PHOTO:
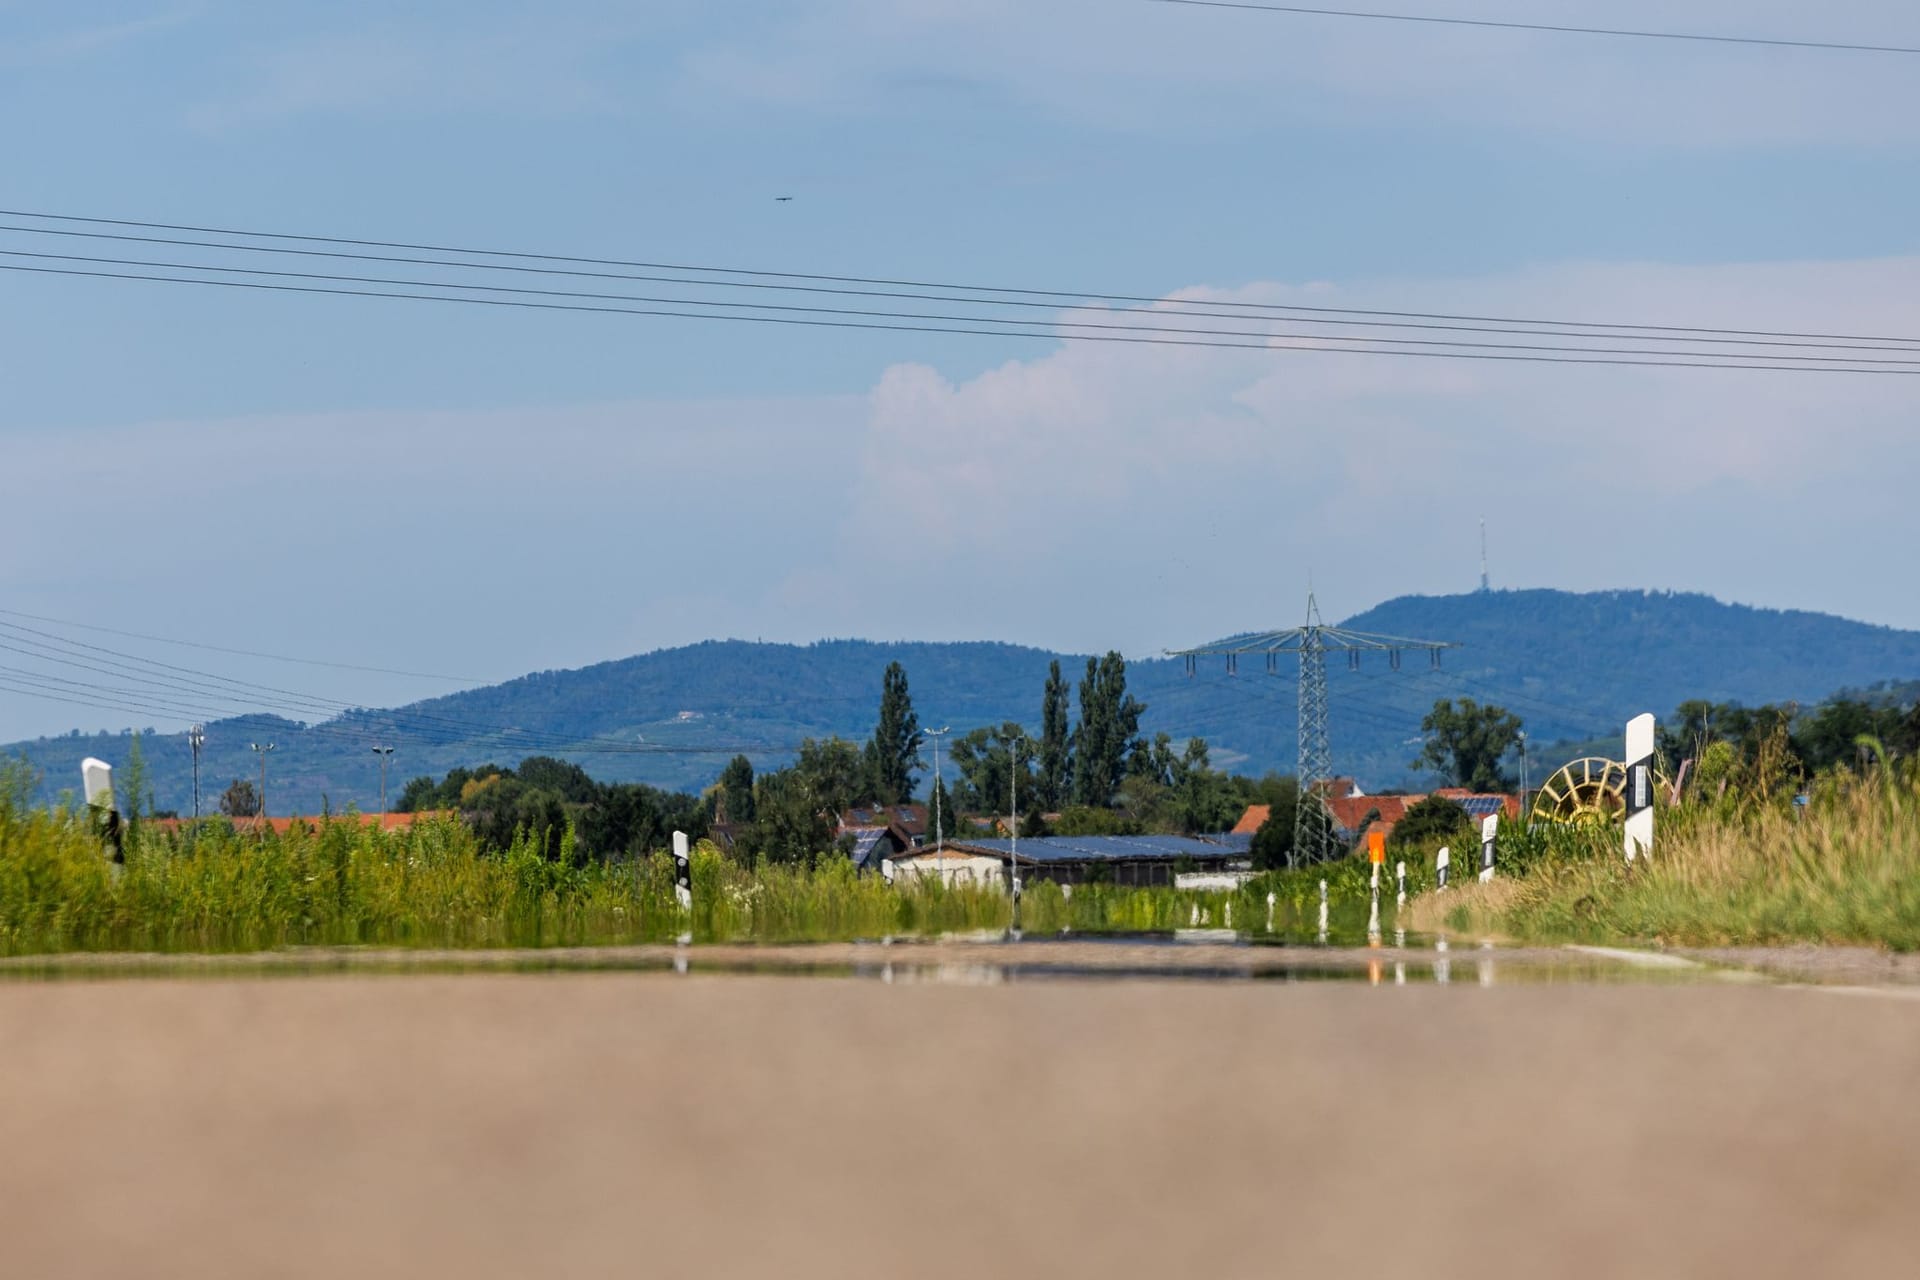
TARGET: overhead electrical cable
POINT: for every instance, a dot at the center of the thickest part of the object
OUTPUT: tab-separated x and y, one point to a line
212	690
241	653
1046	328
1452	21
998	290
1320	345
1102	303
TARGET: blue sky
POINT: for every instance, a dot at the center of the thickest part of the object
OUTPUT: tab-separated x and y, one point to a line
482	493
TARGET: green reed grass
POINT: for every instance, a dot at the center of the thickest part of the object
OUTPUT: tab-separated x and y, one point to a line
1843	869
212	888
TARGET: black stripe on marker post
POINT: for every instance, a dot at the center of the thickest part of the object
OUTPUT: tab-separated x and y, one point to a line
1639	786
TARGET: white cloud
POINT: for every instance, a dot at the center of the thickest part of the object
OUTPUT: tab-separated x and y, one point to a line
1103	491
1086	496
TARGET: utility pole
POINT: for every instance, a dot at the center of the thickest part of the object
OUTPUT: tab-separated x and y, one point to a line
939	837
1485	585
1312	823
385	754
196	736
262	752
1013	829
1523	774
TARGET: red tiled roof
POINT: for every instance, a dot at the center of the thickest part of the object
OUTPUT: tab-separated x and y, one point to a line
1252	820
280	826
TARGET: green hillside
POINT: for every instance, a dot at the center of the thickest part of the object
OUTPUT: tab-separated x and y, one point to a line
1573	666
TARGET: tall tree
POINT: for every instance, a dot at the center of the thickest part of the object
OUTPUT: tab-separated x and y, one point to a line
896	741
1273	842
1056	752
240	800
736	790
790	825
833	773
1109	723
1466	743
986	762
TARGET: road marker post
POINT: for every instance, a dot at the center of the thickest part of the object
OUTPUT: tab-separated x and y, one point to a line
1270	901
1440	862
1489	832
97	775
1639	833
1376	858
683	892
1400	875
1323	913
682	872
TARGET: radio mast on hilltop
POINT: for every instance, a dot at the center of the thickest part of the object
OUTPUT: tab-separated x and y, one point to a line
1483	555
1312	827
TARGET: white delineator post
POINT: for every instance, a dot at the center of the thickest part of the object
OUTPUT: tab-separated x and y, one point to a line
1639	838
1440	864
1489	833
1400	875
1271	899
1323	911
1373	909
682	872
97	776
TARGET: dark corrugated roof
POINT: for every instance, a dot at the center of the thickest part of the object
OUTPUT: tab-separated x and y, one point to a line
1119	848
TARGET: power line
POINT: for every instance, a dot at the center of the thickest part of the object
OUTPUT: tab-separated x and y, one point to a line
1435	19
1285	309
243	653
1317	345
214	689
1048	326
1103	303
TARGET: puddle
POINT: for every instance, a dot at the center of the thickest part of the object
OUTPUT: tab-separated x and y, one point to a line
975	960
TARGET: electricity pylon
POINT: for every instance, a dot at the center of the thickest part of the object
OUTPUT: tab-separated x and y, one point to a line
1312	827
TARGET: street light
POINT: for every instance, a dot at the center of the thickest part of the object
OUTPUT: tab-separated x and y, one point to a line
939	837
262	752
1013	827
385	753
196	736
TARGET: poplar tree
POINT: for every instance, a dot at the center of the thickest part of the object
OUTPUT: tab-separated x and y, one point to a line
1056	753
1109	724
896	741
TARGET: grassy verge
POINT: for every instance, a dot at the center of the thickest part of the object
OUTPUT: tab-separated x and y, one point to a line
215	889
1843	869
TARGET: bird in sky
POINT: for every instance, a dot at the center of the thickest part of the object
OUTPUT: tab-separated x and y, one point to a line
782	199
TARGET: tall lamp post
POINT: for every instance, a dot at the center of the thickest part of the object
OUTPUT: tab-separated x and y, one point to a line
939	785
262	752
1013	825
385	754
196	738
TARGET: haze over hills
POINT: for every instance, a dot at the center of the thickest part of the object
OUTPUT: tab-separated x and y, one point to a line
1574	666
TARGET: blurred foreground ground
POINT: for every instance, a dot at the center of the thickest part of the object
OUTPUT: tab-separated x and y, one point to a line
756	1126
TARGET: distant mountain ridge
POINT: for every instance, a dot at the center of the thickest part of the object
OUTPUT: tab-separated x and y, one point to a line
1572	665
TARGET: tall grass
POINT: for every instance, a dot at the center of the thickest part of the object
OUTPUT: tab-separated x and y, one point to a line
212	888
1843	869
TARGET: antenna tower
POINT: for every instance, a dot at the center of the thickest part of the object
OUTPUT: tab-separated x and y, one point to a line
1483	555
1312	826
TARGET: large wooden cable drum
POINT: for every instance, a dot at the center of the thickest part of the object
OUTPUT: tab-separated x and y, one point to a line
1591	789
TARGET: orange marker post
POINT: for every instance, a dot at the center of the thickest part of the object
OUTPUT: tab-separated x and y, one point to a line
1377	855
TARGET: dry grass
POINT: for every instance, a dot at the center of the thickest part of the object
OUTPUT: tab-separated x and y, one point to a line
1843	869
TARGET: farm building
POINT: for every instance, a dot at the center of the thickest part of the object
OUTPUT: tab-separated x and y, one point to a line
1122	860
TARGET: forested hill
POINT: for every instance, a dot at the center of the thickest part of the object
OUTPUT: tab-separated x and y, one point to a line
1572	666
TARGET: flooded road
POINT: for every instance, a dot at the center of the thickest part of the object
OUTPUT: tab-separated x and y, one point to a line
635	1120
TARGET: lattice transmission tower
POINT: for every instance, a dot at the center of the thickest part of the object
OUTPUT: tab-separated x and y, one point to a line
1312	825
